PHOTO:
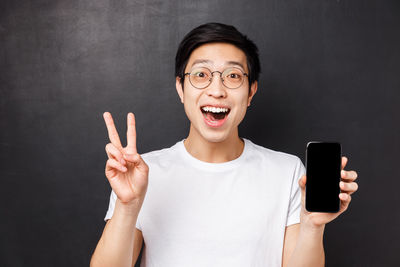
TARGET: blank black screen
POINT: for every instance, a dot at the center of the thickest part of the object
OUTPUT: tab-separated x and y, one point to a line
323	164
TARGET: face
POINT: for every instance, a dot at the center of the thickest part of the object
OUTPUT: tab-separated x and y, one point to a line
200	104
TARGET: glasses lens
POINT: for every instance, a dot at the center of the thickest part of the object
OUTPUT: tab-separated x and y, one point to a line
233	77
200	77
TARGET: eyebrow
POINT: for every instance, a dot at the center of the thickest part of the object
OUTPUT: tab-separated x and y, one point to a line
200	61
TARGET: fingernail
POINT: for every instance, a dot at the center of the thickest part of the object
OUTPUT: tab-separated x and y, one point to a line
343	173
124	169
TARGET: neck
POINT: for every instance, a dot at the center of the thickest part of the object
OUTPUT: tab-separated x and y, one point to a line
214	152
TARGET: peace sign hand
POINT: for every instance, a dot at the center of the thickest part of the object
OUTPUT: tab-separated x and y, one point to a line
126	171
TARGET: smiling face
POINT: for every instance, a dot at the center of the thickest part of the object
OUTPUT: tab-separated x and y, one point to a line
202	105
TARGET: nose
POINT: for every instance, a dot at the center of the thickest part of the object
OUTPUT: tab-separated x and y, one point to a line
216	87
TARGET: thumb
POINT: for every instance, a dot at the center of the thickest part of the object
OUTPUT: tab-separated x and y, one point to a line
133	158
302	182
137	160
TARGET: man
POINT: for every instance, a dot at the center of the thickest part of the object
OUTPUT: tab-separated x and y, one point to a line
212	199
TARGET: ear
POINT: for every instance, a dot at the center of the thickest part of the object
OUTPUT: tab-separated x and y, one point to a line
253	91
179	89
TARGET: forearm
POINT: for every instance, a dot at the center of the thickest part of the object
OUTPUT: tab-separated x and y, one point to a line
309	250
115	247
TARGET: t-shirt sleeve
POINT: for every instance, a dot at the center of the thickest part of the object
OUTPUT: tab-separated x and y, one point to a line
110	211
295	195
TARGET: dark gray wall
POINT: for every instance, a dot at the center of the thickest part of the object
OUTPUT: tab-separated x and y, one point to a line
330	71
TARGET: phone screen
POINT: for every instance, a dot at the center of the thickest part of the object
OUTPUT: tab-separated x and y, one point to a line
323	165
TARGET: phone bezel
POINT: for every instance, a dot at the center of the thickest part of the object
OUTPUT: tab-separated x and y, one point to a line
309	209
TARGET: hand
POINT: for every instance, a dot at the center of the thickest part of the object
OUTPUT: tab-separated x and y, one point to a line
347	186
126	171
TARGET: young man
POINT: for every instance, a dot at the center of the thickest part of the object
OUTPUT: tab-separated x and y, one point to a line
214	198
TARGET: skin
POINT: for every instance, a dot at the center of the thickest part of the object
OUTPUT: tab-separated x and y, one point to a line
127	172
303	243
203	142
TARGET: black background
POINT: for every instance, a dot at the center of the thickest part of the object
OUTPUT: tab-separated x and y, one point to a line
330	71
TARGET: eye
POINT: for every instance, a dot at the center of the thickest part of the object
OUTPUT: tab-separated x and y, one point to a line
199	74
233	74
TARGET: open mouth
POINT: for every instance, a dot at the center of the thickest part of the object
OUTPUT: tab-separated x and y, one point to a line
214	114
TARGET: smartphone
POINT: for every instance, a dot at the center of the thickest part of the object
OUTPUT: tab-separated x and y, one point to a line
323	166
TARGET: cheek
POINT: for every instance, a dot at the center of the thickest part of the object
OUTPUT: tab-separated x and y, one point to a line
241	108
242	112
190	104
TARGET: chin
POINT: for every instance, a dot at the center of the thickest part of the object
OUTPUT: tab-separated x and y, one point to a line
214	137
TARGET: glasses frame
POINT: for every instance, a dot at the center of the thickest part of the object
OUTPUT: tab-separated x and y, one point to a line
212	75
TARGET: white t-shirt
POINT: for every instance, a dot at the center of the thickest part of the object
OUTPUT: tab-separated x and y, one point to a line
233	213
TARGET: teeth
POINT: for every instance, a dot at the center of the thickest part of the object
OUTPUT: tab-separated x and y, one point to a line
214	109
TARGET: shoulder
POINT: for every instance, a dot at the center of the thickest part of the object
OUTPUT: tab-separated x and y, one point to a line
273	156
161	156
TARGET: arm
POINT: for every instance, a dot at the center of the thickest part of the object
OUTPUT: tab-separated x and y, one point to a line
120	242
303	243
127	174
303	246
137	245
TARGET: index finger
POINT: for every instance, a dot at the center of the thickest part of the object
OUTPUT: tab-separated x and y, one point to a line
344	162
112	131
131	134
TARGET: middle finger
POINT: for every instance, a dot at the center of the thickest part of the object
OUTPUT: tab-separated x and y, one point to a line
131	134
348	175
349	188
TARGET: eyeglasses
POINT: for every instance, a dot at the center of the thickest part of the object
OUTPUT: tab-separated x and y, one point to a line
202	77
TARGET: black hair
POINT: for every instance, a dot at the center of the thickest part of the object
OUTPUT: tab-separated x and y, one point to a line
217	32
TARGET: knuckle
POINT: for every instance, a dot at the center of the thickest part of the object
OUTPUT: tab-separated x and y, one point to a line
344	185
349	186
113	150
111	163
109	147
136	157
